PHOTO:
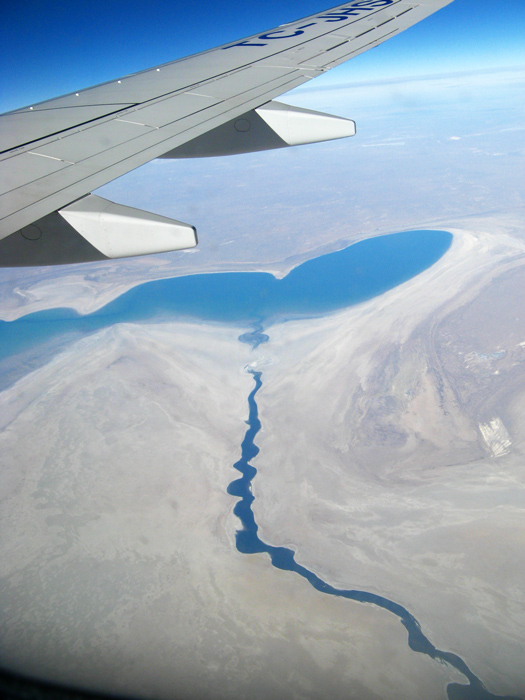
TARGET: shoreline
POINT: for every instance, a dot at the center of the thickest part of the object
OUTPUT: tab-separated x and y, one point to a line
184	384
278	271
401	446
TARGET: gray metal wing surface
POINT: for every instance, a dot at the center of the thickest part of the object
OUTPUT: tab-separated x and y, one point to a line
57	152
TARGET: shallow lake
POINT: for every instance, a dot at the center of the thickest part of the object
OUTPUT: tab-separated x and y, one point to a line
318	286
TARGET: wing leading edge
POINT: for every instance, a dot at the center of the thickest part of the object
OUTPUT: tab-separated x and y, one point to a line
57	152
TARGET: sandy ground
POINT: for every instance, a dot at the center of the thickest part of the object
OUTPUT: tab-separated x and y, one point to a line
381	464
375	434
119	568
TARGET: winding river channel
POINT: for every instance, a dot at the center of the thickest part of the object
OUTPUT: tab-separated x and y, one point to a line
257	300
249	542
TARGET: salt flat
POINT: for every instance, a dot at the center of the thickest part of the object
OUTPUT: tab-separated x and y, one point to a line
371	429
118	534
119	567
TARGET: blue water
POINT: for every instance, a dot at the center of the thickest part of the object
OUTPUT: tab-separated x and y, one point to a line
249	542
316	287
257	300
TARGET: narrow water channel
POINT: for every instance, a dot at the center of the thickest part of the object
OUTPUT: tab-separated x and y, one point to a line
249	542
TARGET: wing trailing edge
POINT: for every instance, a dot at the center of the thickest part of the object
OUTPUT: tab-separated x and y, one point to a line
93	228
54	154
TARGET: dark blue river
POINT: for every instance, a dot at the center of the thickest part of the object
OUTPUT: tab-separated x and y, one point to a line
249	542
257	300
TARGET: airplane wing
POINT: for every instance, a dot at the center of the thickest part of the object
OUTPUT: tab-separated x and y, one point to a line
55	153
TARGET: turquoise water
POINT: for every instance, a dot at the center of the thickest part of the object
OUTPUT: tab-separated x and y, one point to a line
316	287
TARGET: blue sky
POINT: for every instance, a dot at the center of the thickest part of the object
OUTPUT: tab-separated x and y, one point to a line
50	48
